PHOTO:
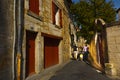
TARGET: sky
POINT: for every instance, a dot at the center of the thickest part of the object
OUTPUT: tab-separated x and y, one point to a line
116	3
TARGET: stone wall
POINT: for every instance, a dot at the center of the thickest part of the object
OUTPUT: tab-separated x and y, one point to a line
113	42
6	39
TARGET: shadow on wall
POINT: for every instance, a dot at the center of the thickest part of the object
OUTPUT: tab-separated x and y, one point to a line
93	59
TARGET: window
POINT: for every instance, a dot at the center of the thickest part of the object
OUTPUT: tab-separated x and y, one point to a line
56	15
34	6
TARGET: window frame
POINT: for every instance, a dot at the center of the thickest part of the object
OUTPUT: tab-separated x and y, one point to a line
55	10
33	14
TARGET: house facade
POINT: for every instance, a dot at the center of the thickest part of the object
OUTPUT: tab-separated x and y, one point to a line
34	37
46	40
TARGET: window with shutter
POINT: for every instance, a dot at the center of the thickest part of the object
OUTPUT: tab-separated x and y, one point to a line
34	6
56	15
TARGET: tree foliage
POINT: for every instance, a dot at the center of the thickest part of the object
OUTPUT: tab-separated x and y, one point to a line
86	11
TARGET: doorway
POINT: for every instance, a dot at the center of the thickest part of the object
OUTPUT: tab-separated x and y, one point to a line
51	56
30	52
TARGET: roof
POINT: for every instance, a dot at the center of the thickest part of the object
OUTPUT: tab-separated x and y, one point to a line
118	10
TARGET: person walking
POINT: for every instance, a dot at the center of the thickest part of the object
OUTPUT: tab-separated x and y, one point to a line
79	53
85	53
74	52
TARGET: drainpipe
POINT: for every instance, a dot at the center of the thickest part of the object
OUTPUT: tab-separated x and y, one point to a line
19	18
14	42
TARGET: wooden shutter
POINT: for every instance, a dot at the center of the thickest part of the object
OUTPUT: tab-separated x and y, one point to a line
60	18
34	6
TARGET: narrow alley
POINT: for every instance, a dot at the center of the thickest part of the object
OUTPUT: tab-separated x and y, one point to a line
38	38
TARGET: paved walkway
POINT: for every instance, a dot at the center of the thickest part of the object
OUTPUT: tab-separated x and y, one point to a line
77	70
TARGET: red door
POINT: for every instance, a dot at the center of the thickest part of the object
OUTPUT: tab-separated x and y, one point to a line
30	52
50	52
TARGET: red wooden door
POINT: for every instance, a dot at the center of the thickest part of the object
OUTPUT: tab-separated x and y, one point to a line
30	53
50	52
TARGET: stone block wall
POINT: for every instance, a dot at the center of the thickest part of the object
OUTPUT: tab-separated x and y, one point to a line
6	39
113	42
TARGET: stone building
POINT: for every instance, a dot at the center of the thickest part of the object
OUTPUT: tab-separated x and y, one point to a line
46	41
118	14
35	37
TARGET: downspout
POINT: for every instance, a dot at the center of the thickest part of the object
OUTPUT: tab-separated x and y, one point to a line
19	17
14	43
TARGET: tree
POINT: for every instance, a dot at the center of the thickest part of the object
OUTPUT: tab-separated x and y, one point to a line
86	11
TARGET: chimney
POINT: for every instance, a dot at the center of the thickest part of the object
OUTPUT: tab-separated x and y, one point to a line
118	13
